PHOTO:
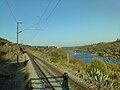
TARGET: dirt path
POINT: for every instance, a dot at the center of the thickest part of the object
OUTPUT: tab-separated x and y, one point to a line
12	76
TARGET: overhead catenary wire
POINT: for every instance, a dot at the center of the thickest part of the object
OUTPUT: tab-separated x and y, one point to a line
51	12
44	14
30	28
11	11
40	17
48	17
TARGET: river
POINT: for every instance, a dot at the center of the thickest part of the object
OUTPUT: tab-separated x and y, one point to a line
87	57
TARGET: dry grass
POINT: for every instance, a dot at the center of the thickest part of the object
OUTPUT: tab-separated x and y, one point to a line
12	75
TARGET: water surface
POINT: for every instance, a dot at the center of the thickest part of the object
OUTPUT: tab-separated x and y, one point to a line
87	57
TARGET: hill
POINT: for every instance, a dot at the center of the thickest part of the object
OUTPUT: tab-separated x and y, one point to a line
12	76
4	41
111	49
97	74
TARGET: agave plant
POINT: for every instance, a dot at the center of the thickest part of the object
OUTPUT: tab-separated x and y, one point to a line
98	75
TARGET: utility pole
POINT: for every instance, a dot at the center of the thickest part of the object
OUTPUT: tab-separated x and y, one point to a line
18	41
22	42
68	57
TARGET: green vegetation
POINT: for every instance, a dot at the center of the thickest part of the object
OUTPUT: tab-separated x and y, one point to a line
58	56
12	76
111	49
97	74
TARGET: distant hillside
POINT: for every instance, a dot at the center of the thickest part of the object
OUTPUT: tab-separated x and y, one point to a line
7	50
111	49
4	41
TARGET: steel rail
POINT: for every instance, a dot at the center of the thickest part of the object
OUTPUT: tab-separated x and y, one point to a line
80	87
42	72
70	80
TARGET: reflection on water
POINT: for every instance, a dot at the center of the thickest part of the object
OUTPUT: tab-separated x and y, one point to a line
87	57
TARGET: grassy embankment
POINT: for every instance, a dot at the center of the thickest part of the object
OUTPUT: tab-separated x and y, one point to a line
12	76
97	74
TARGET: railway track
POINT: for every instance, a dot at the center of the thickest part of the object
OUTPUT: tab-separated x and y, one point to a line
52	77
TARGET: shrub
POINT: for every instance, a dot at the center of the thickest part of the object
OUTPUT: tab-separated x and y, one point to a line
98	72
99	64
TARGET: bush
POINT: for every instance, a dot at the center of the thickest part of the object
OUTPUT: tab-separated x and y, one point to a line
97	72
99	64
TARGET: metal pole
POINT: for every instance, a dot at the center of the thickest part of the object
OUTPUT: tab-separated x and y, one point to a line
68	57
65	82
18	41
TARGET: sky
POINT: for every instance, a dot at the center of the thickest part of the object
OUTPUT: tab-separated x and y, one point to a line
60	22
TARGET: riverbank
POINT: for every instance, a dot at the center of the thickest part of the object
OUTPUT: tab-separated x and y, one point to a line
87	57
109	72
107	49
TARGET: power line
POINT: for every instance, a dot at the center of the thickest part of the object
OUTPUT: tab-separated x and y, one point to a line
11	11
29	29
48	16
39	20
41	15
44	14
51	12
44	11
